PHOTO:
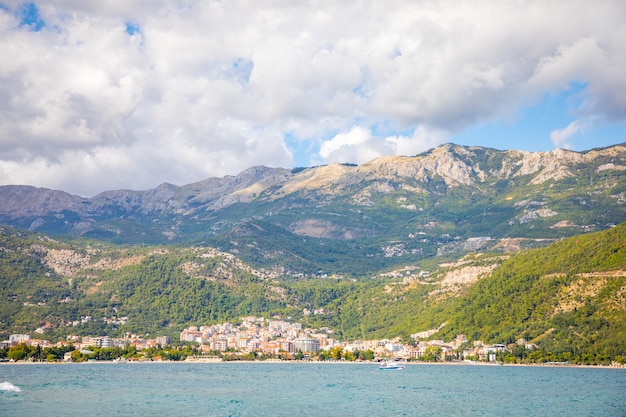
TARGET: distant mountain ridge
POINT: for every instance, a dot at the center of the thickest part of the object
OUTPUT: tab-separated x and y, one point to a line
453	190
452	163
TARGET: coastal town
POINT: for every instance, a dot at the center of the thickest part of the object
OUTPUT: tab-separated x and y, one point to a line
284	340
258	338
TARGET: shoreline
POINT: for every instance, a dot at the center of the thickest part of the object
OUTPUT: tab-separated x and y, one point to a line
534	365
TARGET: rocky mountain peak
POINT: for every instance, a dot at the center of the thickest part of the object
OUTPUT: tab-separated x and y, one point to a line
24	200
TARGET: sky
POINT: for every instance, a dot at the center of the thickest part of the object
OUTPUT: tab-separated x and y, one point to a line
117	94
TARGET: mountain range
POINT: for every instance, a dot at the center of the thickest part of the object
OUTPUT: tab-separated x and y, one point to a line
352	219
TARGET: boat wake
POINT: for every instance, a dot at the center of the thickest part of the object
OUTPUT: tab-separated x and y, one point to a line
8	387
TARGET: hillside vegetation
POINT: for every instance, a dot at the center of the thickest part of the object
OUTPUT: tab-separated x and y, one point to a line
568	298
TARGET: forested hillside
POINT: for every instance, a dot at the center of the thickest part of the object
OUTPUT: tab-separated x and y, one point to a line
93	288
568	298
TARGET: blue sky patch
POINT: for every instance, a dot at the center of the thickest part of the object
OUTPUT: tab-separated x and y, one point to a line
132	28
534	124
29	16
242	69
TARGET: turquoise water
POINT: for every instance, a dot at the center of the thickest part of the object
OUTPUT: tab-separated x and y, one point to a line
262	389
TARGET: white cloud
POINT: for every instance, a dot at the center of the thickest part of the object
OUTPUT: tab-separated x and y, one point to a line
422	140
359	145
210	88
561	137
356	146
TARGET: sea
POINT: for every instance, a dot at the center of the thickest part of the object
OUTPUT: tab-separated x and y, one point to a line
308	389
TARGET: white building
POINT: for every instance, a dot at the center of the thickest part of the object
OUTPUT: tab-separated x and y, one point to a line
306	345
16	339
162	340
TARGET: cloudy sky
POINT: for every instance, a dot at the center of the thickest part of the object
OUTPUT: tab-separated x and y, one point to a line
108	94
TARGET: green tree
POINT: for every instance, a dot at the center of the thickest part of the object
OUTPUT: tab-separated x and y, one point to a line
336	353
432	354
77	356
509	359
366	355
16	353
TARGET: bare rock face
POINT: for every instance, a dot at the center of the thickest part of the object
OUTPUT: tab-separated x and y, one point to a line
446	164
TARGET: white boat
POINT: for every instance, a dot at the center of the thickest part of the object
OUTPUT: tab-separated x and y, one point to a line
391	366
